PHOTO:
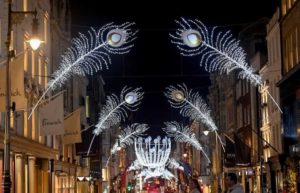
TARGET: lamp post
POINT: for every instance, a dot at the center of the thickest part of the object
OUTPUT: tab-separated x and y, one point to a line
13	17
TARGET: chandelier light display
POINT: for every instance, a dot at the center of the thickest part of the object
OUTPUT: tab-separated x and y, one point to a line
219	51
148	173
91	53
152	154
153	157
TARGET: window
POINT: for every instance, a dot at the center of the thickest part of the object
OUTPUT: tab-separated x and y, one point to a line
286	61
283	6
289	4
46	23
11	46
64	183
264	108
290	51
25	5
25	124
33	125
40	69
46	71
295	47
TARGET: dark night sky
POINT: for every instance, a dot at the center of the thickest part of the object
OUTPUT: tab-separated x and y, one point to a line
154	62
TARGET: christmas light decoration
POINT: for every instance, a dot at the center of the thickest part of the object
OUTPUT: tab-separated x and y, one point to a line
219	51
115	109
152	154
135	166
183	135
152	158
191	105
157	172
128	135
173	164
147	172
90	54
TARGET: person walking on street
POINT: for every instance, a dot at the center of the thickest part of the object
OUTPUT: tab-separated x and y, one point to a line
232	184
194	186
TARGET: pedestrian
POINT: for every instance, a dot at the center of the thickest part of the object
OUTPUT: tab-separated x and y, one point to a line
194	186
232	184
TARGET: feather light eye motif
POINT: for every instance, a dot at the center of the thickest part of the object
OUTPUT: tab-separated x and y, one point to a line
91	53
219	51
115	109
191	105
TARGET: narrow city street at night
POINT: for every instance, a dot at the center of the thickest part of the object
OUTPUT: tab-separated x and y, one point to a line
150	96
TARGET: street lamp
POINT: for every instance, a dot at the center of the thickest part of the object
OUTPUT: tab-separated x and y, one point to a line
13	17
35	41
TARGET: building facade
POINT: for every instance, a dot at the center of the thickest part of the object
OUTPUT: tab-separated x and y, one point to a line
234	104
289	92
270	114
40	163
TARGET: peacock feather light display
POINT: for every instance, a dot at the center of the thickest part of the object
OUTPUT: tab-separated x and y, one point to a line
116	109
128	135
183	135
218	51
91	53
191	105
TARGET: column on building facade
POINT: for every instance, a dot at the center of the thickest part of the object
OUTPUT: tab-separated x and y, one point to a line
31	174
19	173
243	179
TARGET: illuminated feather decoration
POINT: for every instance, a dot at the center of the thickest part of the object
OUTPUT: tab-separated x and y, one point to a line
135	166
128	135
219	51
90	54
173	164
183	135
115	109
191	105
